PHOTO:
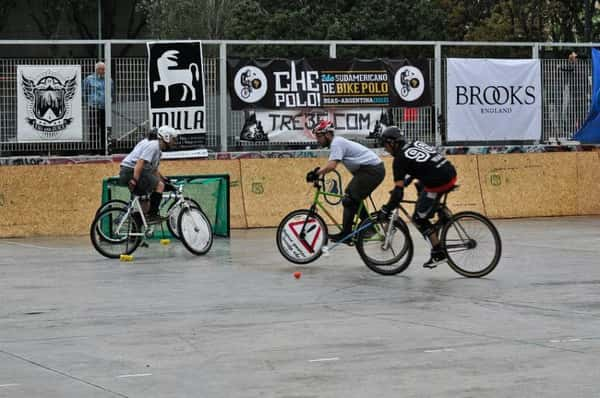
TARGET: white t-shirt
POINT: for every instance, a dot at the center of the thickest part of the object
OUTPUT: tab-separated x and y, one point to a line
146	149
352	154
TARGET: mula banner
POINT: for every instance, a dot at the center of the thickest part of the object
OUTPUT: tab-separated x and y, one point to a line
327	83
494	99
176	86
49	103
296	125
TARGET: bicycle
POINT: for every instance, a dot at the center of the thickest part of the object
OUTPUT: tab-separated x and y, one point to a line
460	235
302	235
169	201
117	230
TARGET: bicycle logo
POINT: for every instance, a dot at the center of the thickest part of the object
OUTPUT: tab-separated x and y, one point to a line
250	84
409	83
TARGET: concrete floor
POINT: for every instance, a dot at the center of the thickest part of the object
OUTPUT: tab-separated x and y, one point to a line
235	323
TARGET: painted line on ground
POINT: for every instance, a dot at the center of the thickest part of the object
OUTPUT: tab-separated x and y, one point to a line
324	359
564	340
9	385
135	375
440	350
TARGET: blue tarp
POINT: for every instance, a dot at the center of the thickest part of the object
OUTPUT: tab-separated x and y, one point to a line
590	131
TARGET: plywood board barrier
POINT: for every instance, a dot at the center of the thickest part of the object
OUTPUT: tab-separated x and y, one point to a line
50	200
588	183
529	185
231	167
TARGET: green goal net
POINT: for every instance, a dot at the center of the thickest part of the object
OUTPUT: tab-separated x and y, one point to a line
210	191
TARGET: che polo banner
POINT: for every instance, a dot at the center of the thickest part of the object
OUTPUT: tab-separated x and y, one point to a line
176	86
493	99
296	125
327	83
49	103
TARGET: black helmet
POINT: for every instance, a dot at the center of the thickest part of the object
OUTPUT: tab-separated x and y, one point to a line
392	135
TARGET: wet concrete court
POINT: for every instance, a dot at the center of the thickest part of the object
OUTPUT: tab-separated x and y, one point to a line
235	323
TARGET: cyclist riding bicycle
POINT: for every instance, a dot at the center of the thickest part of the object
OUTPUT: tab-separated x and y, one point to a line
436	176
366	167
139	169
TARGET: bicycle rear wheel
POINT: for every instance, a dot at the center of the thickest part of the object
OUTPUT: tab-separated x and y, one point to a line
301	236
173	215
111	232
384	248
472	244
195	230
117	203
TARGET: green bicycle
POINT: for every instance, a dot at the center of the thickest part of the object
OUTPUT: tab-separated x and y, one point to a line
302	235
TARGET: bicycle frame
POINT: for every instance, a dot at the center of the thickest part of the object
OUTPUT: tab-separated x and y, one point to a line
318	204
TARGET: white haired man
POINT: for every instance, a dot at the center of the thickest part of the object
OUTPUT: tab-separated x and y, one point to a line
94	91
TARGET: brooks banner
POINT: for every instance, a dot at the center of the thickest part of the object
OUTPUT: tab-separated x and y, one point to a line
493	99
176	86
49	103
590	131
327	83
297	125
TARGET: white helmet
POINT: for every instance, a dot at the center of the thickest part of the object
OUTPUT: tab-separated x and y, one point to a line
166	133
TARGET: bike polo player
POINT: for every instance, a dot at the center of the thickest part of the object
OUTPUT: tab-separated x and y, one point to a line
139	169
436	175
366	167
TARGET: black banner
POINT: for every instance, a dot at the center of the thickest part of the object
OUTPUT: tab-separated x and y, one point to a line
327	83
176	86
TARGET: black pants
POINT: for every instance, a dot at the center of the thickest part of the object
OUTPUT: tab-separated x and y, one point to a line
98	127
364	181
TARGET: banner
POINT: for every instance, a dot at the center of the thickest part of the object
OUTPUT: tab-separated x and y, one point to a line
590	131
296	125
327	83
176	86
493	99
49	103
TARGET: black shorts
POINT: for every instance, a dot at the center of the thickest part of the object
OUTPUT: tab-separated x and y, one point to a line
145	185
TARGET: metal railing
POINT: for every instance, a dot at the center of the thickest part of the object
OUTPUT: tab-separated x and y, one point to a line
566	95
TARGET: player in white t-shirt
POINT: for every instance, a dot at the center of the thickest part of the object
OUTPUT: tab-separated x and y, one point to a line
366	167
139	169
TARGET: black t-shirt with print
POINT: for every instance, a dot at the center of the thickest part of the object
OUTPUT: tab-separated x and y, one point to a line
420	161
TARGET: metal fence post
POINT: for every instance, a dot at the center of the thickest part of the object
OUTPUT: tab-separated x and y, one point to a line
332	50
223	95
108	96
437	95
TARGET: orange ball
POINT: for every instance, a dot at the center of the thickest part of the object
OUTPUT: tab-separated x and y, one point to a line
297	274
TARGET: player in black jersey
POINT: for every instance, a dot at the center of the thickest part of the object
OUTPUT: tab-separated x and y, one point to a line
436	175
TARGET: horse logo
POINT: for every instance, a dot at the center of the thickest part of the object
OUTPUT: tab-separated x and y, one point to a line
170	76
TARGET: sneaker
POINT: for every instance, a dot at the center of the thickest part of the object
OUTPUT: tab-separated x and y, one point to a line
437	257
339	236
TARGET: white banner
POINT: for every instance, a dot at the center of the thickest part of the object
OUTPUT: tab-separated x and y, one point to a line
296	125
493	99
49	103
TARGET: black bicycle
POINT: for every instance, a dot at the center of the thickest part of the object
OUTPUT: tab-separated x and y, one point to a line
470	240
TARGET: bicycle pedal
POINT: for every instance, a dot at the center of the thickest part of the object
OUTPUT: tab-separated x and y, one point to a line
144	244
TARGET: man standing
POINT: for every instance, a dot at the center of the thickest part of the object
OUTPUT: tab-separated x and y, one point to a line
94	90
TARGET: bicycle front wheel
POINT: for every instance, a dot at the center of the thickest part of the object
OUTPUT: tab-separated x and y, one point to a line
384	248
472	244
301	236
173	215
114	231
195	230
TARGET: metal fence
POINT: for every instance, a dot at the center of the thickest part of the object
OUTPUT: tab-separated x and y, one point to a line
566	97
